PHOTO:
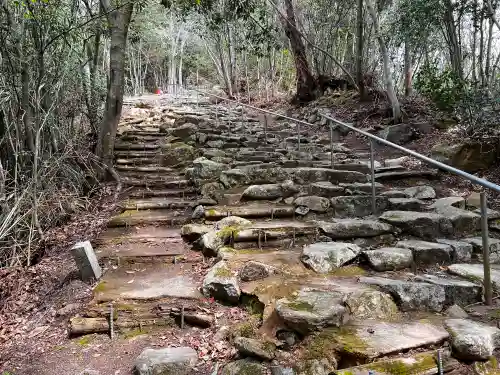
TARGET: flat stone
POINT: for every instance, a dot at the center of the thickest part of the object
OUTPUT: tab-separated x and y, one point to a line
406	204
372	339
254	348
211	242
221	284
235	222
462	250
361	187
354	228
270	191
428	253
472	340
421	224
369	243
411	295
474	272
325	189
458	292
357	205
311	310
314	203
396	162
86	261
491	214
305	176
389	258
167	361
394	194
421	192
457	202
456	311
252	271
324	257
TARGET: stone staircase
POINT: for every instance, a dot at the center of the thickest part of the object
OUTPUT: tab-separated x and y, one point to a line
337	288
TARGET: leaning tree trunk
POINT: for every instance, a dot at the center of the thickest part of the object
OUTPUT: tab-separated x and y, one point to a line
119	20
389	86
306	84
359	49
408	70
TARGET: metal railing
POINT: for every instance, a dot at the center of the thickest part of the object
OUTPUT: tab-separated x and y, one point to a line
373	139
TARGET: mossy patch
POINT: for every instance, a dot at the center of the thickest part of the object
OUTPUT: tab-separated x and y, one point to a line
247	329
348	271
300	306
135	332
84	340
211	213
101	287
223	272
228	231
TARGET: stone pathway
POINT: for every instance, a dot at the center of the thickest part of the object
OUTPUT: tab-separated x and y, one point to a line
334	286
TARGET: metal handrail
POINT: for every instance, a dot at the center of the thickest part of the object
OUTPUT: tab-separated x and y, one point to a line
373	138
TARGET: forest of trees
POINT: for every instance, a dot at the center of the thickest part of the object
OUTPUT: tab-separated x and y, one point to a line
66	64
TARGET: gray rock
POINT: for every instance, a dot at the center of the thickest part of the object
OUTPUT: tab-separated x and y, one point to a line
211	242
463	221
205	169
458	202
458	292
456	311
254	348
252	271
411	295
316	367
184	131
232	221
394	194
370	304
477	246
167	361
325	189
302	210
244	367
462	251
212	190
420	192
399	134
178	154
314	203
353	228
312	309
357	205
323	257
468	156
360	188
428	253
472	340
369	243
474	272
198	212
192	232
396	162
270	191
86	261
421	224
305	176
406	204
221	284
389	258
280	370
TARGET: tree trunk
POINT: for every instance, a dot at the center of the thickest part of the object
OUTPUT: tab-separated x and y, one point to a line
119	20
408	70
359	52
391	93
453	43
306	85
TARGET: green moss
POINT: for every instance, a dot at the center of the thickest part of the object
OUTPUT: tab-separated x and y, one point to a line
134	333
247	329
489	367
333	340
100	288
223	272
211	213
178	145
84	340
348	271
300	306
228	231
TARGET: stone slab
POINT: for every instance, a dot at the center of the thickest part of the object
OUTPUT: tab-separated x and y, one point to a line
86	261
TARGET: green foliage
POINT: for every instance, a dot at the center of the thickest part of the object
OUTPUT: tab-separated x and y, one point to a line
443	88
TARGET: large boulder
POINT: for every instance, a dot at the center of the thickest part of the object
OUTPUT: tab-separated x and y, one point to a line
371	304
178	154
254	348
472	340
428	253
468	156
192	232
314	203
399	134
221	284
167	361
389	258
312	309
244	367
357	205
324	257
457	291
426	225
205	169
305	175
183	131
270	191
411	295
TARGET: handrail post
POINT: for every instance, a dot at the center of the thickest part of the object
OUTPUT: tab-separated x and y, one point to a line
298	136
372	169
331	144
265	128
486	251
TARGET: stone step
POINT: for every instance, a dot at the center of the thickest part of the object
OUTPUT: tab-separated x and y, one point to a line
153	217
150	176
163	183
250	211
399	175
121	146
152	137
142	133
153	161
163	193
146	169
156	203
275	229
124	154
475	273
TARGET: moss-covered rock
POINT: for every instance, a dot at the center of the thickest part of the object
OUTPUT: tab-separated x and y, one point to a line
178	154
244	367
